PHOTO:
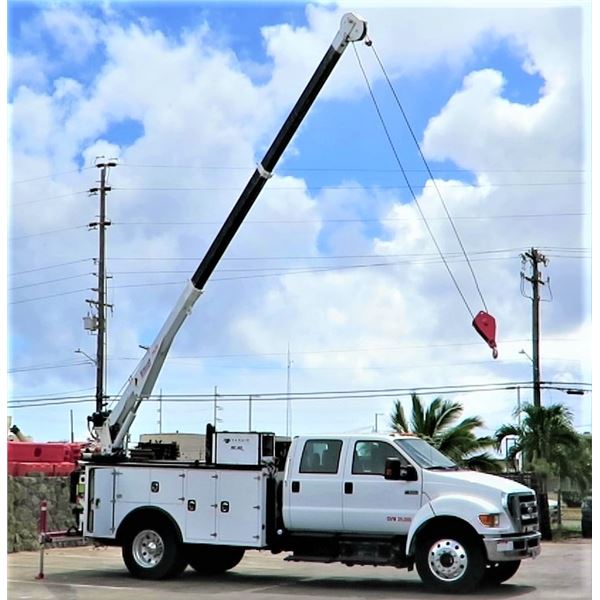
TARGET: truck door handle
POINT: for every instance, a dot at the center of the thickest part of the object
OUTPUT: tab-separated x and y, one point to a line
295	487
348	487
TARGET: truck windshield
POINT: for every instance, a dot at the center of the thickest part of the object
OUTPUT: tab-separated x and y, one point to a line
424	454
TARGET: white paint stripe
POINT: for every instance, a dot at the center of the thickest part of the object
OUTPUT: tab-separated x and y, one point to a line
74	585
57	557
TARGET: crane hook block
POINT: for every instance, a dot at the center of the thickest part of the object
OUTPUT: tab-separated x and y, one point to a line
485	326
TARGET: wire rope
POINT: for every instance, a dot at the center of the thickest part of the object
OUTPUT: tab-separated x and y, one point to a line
410	187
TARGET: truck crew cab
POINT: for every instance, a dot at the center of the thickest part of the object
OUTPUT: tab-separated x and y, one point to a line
360	500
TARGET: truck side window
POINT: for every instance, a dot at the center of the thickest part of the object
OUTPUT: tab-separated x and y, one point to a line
320	456
369	457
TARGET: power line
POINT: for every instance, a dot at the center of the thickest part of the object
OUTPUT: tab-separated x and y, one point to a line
313	257
52	396
50	176
48	281
45	198
360	169
52	231
313	352
367	394
350	187
377	220
49	296
303	222
276	272
46	366
64	264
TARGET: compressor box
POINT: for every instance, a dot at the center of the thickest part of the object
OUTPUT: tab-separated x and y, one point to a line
243	448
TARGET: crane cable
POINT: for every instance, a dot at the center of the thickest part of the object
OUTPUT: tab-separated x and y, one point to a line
433	180
409	185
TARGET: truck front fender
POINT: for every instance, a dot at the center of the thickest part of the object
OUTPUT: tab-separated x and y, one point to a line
454	507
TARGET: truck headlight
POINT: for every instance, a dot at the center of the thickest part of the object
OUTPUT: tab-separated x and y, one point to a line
490	520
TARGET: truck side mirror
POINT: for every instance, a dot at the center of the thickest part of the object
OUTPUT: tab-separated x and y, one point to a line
394	471
408	473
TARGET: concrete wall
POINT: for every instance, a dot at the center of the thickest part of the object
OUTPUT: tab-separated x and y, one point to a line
23	507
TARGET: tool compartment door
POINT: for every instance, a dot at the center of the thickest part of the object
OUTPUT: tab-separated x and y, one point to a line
200	506
99	518
241	508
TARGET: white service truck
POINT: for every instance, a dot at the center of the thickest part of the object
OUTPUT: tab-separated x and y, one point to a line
360	500
357	499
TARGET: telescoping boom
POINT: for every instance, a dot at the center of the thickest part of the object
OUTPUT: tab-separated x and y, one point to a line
111	427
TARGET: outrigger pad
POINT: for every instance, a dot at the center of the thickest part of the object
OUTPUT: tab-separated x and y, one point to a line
485	326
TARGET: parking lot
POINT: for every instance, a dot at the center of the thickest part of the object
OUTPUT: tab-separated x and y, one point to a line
563	572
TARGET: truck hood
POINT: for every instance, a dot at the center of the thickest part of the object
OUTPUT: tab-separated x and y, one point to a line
445	482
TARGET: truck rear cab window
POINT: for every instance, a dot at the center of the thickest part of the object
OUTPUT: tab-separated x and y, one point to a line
321	456
369	457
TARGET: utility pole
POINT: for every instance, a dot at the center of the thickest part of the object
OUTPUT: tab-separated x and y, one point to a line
534	258
216	407
288	411
250	413
160	412
100	302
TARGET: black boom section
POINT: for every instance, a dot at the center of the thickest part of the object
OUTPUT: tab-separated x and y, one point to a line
258	180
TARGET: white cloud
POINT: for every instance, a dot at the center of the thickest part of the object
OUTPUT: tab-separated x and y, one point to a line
27	68
373	326
72	29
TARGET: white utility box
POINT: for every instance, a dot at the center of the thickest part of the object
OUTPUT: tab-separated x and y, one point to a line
243	448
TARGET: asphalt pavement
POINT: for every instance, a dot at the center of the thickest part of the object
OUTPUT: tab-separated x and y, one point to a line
562	572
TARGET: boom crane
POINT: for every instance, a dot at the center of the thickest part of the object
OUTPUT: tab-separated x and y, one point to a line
110	428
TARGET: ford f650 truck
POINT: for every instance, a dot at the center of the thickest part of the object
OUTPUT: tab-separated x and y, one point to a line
360	500
357	499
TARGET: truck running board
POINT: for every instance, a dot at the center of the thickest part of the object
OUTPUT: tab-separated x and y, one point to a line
310	558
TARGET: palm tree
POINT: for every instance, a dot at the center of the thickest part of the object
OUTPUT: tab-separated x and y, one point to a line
547	439
545	436
437	425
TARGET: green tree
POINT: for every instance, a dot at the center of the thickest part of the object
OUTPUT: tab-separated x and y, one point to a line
548	442
437	424
545	437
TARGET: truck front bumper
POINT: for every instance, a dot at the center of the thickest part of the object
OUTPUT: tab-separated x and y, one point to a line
513	547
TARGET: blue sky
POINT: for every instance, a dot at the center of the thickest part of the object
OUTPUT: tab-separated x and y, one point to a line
188	96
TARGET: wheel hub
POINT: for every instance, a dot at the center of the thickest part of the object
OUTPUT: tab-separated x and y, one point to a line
448	560
148	548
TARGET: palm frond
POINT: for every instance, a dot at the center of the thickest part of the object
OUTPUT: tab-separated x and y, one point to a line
398	420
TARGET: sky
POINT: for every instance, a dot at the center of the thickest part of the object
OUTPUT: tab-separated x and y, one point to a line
335	261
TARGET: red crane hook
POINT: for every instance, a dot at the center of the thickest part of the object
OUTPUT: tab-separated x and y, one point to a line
485	326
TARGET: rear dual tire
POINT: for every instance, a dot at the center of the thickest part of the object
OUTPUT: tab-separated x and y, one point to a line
206	559
153	552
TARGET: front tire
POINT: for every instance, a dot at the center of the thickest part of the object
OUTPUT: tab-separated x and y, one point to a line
152	551
497	573
451	561
207	559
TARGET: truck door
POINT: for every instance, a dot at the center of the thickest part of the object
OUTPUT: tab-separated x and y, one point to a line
372	504
313	487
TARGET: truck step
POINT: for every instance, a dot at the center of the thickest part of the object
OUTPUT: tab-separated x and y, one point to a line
310	558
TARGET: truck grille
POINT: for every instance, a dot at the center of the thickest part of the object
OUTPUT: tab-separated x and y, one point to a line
523	509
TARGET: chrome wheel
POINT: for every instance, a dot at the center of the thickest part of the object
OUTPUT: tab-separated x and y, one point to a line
448	560
147	548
